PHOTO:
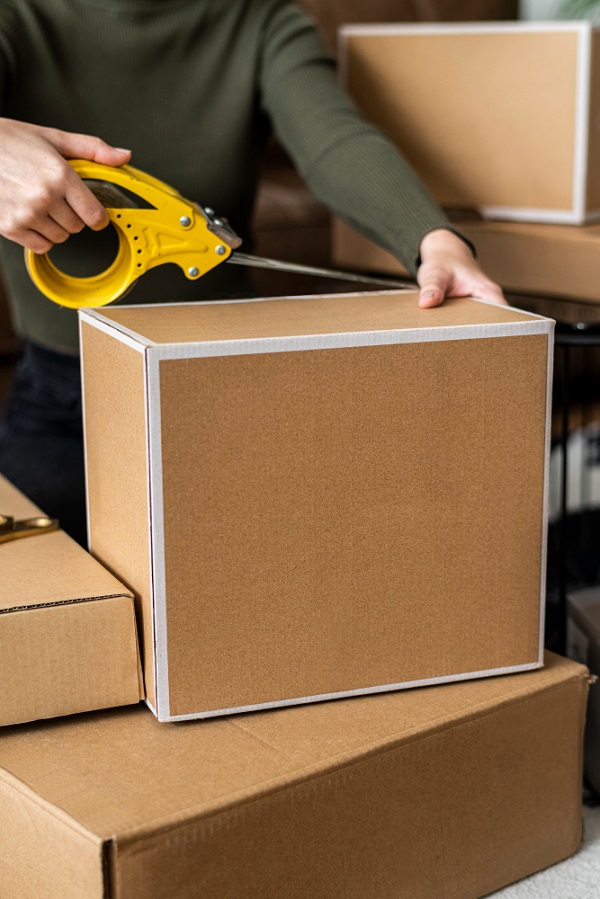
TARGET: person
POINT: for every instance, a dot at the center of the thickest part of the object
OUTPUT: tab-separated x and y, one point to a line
191	88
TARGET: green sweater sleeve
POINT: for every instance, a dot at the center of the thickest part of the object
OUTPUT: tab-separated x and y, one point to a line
347	163
9	35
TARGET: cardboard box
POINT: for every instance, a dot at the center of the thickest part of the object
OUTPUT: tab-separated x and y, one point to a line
583	645
452	791
545	260
321	496
500	117
68	639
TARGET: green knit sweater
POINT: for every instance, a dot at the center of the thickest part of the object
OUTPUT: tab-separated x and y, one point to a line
192	87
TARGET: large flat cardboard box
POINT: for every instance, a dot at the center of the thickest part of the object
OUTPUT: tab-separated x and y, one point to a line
68	638
497	117
583	645
320	496
540	260
452	791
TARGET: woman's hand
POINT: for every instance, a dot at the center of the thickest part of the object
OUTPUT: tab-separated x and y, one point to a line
448	269
42	200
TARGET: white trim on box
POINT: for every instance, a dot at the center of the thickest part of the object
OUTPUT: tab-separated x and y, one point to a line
367	691
129	338
581	124
524	312
139	343
546	491
317	296
463	27
536	216
149	531
150	706
85	462
253	346
157	533
576	214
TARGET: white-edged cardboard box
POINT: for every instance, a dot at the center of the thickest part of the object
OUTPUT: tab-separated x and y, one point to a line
453	791
320	496
499	117
68	637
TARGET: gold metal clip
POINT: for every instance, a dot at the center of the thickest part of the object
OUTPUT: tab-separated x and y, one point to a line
26	527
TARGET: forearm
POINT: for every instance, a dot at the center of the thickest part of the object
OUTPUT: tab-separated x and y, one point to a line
348	164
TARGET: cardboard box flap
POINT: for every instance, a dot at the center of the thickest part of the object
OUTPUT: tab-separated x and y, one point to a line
26	577
106	779
297	317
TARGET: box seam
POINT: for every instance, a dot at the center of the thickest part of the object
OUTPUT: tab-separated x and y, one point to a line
65	602
16	785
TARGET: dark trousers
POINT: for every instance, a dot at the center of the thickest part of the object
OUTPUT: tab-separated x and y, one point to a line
41	437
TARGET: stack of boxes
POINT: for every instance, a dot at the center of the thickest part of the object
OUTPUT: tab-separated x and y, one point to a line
311	499
510	145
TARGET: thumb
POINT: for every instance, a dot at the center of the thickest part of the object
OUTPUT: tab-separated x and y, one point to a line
86	146
433	289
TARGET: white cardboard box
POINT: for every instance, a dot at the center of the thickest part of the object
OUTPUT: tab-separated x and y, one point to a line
499	117
320	496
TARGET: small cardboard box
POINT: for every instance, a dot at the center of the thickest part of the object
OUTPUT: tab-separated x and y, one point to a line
499	117
583	645
320	496
545	260
453	791
68	639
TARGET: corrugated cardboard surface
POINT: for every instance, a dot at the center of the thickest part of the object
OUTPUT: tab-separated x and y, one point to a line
335	314
324	518
68	639
549	260
492	124
117	483
347	518
452	791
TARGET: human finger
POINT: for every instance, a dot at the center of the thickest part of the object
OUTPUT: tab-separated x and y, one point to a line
490	292
65	216
49	229
85	205
434	286
37	243
87	146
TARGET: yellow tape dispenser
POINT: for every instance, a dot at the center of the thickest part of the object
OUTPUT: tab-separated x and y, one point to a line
154	224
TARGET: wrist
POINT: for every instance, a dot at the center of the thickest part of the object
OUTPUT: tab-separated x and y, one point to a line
445	242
